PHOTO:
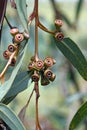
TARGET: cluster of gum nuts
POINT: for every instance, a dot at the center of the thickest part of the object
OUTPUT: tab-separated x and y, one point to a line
58	34
18	37
41	70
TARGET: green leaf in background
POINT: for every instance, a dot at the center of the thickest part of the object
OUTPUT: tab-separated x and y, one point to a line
79	116
9	117
22	12
4	88
72	52
67	20
78	9
20	83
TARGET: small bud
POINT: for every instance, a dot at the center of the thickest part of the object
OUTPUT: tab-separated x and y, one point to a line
6	54
26	35
18	38
58	23
12	48
48	62
48	74
39	64
14	31
31	66
59	36
13	62
35	77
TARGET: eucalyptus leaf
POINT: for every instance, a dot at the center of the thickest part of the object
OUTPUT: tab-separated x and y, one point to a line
67	20
9	117
72	52
4	88
20	83
78	9
79	116
22	12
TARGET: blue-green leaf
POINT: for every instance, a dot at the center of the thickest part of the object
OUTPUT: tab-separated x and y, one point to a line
9	117
72	52
78	117
20	83
22	12
4	88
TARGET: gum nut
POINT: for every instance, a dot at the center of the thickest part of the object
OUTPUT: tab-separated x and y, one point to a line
6	54
12	47
48	62
48	73
14	31
58	22
31	66
35	77
13	62
19	38
44	81
59	36
39	64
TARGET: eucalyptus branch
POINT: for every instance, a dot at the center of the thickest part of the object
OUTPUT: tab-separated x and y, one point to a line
41	26
8	23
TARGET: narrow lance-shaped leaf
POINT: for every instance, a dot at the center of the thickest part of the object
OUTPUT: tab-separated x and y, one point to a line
20	83
78	9
79	116
72	52
22	12
9	117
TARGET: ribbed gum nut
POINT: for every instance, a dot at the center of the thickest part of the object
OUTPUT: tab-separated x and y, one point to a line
59	36
12	48
39	64
58	23
26	35
6	54
44	81
31	66
48	74
18	38
53	77
13	61
35	77
48	62
14	31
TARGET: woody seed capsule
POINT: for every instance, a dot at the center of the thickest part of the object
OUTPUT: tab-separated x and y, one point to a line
59	36
48	62
39	64
13	62
48	74
6	54
44	81
31	66
58	23
12	47
19	38
14	31
35	77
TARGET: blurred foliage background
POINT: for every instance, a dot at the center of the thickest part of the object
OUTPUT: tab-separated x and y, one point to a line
61	99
